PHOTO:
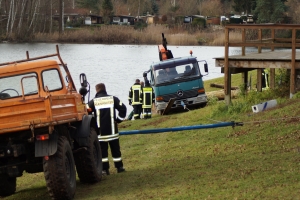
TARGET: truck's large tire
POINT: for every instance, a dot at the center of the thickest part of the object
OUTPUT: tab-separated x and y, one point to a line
7	185
59	171
89	162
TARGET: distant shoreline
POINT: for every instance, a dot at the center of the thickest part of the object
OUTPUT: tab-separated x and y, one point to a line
116	34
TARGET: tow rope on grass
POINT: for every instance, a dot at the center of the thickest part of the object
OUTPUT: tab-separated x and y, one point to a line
181	128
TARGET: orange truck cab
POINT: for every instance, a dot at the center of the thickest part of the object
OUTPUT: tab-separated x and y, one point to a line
45	127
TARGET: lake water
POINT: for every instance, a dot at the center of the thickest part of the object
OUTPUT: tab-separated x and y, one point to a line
115	65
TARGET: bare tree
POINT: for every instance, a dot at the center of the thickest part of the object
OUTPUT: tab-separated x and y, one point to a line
294	10
51	16
9	16
33	17
211	8
21	16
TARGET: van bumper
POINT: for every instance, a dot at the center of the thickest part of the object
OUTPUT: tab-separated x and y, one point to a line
199	100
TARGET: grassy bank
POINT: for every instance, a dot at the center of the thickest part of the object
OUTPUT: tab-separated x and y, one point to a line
116	34
259	160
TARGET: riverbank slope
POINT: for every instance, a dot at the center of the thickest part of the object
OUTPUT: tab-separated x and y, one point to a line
259	160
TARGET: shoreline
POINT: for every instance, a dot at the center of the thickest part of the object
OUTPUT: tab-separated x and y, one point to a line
127	35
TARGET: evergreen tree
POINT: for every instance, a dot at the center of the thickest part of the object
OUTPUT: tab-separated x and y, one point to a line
270	11
244	6
107	10
146	8
154	6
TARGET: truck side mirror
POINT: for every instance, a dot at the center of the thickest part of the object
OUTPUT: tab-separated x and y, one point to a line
206	67
83	80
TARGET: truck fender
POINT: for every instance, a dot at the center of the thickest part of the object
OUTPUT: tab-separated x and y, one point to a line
46	147
84	129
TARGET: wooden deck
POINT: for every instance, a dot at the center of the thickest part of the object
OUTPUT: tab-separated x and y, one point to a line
272	59
278	53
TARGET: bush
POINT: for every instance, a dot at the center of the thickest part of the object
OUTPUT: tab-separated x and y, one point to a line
140	25
179	19
199	22
164	18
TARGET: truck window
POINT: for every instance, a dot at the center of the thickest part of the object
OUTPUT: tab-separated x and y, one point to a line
170	73
11	86
52	80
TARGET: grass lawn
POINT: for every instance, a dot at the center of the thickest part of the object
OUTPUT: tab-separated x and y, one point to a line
259	160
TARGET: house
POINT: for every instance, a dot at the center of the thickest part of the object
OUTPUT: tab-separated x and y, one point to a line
93	19
72	15
213	21
123	19
79	15
235	19
189	19
223	20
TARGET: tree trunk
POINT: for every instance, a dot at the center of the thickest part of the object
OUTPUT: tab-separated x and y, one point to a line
37	8
222	86
21	16
13	18
60	22
221	95
51	18
1	19
33	15
9	17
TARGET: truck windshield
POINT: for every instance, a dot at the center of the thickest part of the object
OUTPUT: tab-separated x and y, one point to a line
12	86
168	74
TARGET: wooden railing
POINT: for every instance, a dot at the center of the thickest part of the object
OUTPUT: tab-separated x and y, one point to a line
261	42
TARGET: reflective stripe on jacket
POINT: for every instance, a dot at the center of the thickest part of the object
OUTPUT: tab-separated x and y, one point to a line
148	97
104	107
135	94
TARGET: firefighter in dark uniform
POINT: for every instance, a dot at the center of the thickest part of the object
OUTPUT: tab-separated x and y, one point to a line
148	99
104	107
135	100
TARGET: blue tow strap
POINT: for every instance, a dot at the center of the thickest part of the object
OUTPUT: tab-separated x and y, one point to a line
181	128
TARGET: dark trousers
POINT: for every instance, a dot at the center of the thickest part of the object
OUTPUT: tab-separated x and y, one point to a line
137	111
115	152
147	113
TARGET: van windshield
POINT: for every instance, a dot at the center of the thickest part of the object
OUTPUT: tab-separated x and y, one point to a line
170	73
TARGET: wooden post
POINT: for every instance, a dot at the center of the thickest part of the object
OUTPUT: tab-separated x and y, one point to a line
272	70
259	82
227	84
243	40
259	71
245	80
272	78
244	74
293	77
259	38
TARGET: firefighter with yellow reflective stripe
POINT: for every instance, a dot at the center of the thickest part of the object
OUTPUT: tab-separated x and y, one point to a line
148	99
104	107
135	99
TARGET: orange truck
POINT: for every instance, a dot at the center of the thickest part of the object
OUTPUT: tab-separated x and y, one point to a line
45	126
